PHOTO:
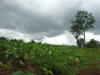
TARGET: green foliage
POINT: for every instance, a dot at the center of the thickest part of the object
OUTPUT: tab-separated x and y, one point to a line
48	59
1	64
28	73
92	44
18	73
82	22
48	72
21	73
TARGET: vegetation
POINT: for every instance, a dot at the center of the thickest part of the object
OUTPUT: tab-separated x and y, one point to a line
82	22
44	59
92	44
21	73
32	58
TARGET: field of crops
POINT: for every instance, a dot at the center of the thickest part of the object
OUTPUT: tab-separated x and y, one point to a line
18	58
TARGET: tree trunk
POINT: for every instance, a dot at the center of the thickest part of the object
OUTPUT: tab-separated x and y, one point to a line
84	38
77	43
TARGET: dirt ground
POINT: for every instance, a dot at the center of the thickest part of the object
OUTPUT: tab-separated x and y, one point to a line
88	72
91	70
5	71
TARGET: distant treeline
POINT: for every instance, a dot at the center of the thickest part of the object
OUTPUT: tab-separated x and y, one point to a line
18	40
90	44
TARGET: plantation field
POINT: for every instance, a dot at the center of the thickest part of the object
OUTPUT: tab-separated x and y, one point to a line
19	58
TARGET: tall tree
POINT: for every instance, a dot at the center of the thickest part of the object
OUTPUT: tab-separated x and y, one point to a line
81	23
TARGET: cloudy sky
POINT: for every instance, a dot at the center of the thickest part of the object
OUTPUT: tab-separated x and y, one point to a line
46	20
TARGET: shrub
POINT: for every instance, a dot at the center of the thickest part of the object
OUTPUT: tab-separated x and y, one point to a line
92	44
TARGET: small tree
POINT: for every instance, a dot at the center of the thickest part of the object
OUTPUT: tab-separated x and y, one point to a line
92	44
32	41
82	22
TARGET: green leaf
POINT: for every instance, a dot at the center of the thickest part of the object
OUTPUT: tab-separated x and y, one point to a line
28	73
18	73
1	64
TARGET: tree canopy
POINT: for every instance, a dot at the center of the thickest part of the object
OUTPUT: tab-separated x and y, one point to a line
81	23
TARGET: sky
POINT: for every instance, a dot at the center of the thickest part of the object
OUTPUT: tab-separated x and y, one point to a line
45	20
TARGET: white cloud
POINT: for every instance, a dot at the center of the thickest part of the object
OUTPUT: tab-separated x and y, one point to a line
66	39
90	36
11	34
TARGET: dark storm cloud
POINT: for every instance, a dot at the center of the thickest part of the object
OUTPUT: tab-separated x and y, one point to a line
13	18
31	18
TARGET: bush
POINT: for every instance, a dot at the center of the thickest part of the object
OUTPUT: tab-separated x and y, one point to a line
92	44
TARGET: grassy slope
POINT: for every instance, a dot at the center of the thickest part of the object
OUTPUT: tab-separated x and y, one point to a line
59	60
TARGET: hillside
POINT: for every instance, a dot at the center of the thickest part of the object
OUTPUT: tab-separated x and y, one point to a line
44	59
